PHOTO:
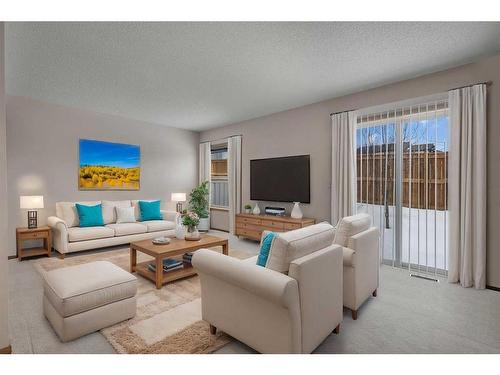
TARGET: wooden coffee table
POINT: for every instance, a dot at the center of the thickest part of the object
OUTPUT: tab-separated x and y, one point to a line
175	249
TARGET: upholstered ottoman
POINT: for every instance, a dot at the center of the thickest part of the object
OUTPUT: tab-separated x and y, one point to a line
82	299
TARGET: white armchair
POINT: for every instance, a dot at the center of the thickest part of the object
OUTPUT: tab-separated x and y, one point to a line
361	260
268	310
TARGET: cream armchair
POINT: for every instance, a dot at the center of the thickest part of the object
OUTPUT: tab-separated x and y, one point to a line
271	311
360	247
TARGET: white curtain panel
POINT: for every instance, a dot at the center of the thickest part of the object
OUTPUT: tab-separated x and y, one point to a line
467	186
234	178
343	165
205	156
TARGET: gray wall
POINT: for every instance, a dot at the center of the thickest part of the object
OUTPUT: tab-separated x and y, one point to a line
306	130
42	155
4	286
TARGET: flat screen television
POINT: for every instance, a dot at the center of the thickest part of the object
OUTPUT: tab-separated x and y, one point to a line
285	179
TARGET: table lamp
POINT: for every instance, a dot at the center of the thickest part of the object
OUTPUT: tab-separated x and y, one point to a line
179	198
31	203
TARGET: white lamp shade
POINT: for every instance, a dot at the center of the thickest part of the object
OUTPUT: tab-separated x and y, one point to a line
178	197
31	201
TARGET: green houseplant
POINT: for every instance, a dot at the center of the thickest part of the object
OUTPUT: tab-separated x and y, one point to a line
199	204
248	208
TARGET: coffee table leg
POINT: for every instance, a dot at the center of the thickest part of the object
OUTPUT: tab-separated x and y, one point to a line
225	249
133	259
159	273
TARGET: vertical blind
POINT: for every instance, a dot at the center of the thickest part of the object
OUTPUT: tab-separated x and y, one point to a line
401	160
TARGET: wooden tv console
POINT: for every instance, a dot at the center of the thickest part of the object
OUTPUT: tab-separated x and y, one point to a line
252	226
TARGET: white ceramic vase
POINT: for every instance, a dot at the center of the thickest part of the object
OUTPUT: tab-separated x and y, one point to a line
204	225
256	209
296	211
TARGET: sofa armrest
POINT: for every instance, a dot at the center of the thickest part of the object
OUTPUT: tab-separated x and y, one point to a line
59	234
268	284
170	215
54	221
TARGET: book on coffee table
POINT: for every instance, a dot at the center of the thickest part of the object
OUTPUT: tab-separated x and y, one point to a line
169	264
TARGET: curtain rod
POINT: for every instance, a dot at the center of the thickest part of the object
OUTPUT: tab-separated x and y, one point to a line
336	113
223	139
487	83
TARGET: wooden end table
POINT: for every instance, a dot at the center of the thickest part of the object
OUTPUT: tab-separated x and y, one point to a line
40	233
174	249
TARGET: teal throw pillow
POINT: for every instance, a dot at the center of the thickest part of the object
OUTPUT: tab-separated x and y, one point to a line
265	248
150	210
90	216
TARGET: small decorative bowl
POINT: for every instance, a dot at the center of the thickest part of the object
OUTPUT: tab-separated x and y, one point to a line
161	241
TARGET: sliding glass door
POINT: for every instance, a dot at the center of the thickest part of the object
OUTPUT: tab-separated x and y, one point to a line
402	160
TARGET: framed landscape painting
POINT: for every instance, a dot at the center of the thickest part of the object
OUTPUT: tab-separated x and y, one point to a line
109	166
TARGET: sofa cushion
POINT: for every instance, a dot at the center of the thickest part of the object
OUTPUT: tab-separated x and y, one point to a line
289	246
109	212
150	210
124	229
158	225
348	256
67	211
89	216
76	234
125	215
137	210
350	226
73	290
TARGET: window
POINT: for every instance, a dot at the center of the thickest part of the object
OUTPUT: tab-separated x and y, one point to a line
219	194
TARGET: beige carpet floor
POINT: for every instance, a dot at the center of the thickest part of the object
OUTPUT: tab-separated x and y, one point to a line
410	315
167	320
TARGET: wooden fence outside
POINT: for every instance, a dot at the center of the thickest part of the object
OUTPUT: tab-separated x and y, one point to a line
428	180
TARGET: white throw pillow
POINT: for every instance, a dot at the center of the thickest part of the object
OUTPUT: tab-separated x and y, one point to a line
125	215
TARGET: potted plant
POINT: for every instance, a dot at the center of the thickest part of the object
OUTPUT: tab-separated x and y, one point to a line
248	208
191	220
198	203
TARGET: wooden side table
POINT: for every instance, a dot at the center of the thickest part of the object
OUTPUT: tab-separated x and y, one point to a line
40	233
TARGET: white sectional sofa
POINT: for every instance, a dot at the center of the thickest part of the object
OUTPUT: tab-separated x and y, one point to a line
68	237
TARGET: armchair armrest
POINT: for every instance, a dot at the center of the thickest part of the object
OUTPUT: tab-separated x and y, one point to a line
319	276
170	215
365	244
268	284
365	261
59	234
256	305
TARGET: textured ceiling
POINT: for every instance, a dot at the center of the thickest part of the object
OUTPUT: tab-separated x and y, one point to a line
203	75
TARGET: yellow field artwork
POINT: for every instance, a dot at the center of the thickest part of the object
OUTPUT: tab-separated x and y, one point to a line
109	166
96	177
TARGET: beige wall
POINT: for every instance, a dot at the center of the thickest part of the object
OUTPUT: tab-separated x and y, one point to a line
306	130
42	155
4	290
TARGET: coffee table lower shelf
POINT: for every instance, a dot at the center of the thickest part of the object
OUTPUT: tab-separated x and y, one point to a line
180	273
